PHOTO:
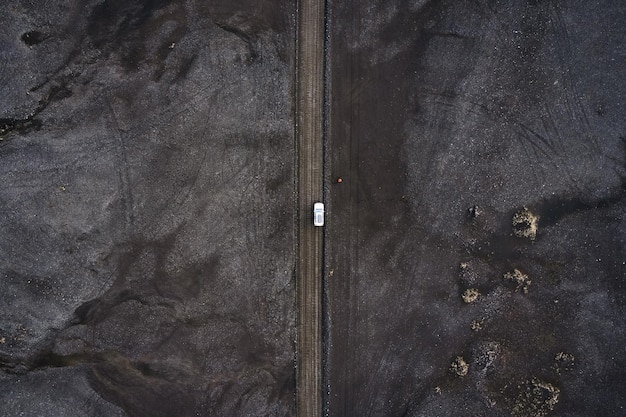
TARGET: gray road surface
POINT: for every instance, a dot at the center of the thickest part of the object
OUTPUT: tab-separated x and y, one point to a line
309	64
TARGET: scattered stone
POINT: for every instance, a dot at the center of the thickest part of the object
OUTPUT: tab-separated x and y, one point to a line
484	354
32	38
536	399
476	325
459	367
564	362
520	280
467	276
470	295
474	211
525	224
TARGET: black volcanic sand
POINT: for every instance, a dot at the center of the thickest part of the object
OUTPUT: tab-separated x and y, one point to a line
147	232
476	244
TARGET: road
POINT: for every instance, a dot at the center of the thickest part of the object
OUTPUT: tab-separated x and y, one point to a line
309	132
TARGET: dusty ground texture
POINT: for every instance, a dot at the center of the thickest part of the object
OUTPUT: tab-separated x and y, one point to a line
476	243
146	235
475	247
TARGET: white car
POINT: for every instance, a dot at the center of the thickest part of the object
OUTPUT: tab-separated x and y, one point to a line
318	214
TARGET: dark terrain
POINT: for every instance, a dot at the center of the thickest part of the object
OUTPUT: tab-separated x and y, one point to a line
475	251
147	208
476	245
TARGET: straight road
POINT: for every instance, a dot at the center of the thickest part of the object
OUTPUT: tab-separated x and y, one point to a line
309	90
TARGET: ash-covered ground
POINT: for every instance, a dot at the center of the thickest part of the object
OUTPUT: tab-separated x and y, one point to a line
476	244
475	248
146	227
